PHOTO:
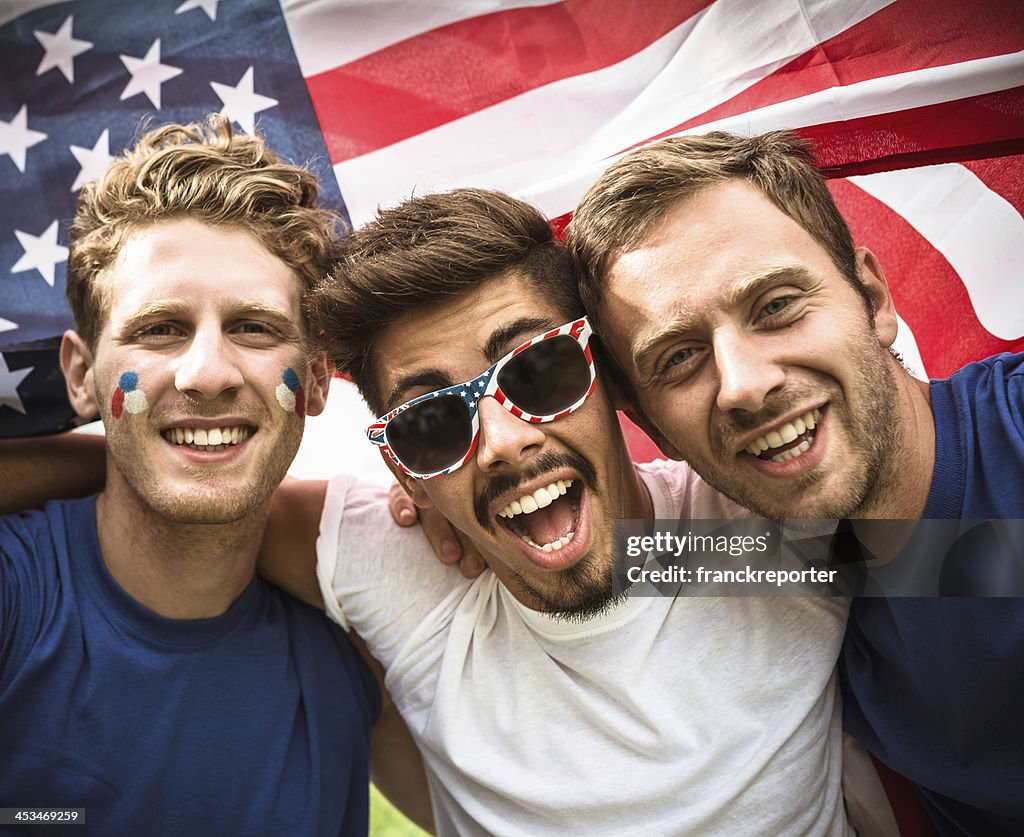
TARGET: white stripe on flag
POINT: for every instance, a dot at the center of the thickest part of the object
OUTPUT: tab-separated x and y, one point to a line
541	134
329	33
977	230
906	344
887	94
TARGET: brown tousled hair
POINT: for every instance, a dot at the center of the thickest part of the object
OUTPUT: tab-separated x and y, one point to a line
426	250
204	172
635	193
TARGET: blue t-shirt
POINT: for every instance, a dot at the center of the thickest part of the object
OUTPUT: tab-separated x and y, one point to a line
935	687
254	722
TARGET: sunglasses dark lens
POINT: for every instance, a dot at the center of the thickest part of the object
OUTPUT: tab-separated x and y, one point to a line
548	377
432	435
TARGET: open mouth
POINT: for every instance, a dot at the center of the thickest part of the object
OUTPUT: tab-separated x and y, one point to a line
547	518
207	438
789	441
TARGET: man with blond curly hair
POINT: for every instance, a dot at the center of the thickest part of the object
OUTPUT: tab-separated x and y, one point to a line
146	674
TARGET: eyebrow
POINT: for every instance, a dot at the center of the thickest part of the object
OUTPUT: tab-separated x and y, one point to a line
512	334
502	340
687	319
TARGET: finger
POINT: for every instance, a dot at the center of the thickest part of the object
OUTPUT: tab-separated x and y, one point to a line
403	510
441	535
471	564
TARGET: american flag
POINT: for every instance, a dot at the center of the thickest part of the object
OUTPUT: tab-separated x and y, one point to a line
916	108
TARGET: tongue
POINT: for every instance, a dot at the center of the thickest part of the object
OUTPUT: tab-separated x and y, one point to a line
550	523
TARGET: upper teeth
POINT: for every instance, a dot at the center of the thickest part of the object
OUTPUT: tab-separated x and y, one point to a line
206	438
786	434
529	503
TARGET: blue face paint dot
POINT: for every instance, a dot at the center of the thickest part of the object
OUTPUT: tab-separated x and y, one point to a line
291	379
128	382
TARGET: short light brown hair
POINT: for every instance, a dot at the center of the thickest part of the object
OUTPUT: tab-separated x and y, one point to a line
429	249
206	173
635	193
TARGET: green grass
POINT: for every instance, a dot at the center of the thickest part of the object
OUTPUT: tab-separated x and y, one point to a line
388	821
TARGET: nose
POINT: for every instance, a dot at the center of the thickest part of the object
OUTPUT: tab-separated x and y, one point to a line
747	372
208	366
505	441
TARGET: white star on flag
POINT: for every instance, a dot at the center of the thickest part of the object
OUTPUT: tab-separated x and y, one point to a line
148	74
208	6
61	49
16	138
9	382
7	325
94	161
42	252
241	104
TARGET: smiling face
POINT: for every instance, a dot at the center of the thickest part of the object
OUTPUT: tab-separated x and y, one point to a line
204	330
537	499
755	359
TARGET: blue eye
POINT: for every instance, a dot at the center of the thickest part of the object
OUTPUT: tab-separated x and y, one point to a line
777	305
679	357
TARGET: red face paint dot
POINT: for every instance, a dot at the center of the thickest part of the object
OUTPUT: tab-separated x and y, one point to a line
117	403
300	402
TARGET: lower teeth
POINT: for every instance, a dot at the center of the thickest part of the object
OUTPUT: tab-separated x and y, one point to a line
554	546
793	453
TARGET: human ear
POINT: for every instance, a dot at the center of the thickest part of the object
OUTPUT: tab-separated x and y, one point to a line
872	277
76	362
413	487
318	384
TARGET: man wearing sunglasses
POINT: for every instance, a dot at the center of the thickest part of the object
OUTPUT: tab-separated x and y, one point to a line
544	704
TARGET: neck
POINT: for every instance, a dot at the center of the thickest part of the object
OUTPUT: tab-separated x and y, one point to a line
906	482
637	503
178	570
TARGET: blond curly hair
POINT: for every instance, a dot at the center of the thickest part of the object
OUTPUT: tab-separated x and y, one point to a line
201	171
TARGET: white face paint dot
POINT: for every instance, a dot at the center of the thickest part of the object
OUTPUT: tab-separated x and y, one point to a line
286	398
135	401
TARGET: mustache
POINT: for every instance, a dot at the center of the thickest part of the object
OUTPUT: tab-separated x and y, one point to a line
546	462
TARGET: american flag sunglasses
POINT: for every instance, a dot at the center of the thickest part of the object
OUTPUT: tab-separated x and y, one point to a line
541	380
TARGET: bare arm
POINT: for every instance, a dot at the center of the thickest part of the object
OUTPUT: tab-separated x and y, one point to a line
288	552
43	468
396	766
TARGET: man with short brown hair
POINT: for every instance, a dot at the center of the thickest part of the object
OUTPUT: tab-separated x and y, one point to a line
756	339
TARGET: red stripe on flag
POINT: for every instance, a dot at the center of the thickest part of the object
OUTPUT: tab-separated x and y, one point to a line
1004	176
981	126
927	291
641	448
459	69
